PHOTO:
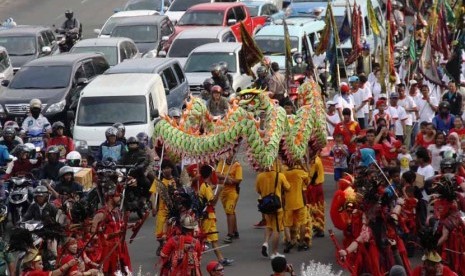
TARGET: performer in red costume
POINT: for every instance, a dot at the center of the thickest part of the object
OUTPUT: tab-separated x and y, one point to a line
70	253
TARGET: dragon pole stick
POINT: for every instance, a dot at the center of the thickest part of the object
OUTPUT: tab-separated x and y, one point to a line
385	177
342	262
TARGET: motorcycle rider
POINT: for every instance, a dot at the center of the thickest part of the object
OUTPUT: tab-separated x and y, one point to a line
71	26
225	70
17	129
35	118
217	105
53	165
64	143
73	159
9	135
111	148
23	164
143	139
120	136
207	88
66	186
41	209
263	80
220	79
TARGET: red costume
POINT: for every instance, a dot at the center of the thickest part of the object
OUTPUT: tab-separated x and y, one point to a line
348	130
181	256
446	271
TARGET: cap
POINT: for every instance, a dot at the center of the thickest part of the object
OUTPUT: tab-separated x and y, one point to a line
394	95
353	79
35	103
212	265
383	96
412	82
328	103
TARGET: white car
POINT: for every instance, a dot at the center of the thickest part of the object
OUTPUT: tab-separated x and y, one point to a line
6	68
111	22
200	60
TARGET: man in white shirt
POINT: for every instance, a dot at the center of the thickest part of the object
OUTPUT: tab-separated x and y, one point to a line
332	118
410	107
427	105
344	100
361	100
402	116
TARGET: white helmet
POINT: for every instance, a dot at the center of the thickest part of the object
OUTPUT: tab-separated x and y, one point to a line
35	103
73	158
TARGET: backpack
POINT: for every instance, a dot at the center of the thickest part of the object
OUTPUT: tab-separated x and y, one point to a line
271	203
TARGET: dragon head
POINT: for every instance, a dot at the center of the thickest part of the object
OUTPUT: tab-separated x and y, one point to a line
253	100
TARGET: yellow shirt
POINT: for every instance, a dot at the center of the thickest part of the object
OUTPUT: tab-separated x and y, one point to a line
317	167
265	183
153	189
293	198
207	195
235	173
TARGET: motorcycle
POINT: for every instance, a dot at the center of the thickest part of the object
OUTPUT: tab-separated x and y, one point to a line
19	197
35	136
66	39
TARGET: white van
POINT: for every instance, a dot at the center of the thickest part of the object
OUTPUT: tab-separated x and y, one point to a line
6	69
135	100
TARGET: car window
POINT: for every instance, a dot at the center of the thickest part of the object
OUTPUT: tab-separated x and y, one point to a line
179	72
240	13
45	38
132	47
152	108
41	43
4	61
265	10
170	78
273	9
312	39
50	36
166	29
122	53
228	37
100	65
230	15
89	69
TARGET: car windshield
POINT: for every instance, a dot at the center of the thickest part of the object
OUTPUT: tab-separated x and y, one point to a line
183	5
183	47
202	18
253	10
104	111
138	33
274	45
19	45
110	25
134	5
201	62
110	52
42	77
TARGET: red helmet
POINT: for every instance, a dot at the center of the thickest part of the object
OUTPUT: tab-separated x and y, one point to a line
217	88
345	87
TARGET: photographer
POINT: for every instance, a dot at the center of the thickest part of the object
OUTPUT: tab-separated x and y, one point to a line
281	267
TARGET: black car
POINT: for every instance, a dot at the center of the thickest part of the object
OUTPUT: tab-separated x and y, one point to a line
55	80
25	43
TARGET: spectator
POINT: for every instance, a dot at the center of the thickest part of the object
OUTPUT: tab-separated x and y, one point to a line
404	158
361	100
423	161
397	270
349	129
427	105
436	149
280	267
379	150
376	85
426	135
389	143
380	112
444	121
332	118
458	128
340	153
344	100
407	102
365	85
402	117
453	141
454	99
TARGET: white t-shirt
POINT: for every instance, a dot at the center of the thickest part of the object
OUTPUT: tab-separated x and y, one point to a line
436	155
342	103
425	110
392	114
359	97
426	171
408	103
404	160
333	119
375	90
401	116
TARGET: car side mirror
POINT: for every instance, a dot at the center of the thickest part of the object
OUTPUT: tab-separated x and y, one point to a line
46	50
82	81
97	31
5	83
154	114
162	54
232	22
70	115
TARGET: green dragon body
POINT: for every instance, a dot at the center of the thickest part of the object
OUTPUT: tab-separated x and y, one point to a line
200	137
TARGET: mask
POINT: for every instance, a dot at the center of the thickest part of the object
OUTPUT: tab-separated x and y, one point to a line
35	112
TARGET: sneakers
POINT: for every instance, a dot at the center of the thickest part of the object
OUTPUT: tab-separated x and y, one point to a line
260	224
236	235
276	255
228	239
226	262
288	247
265	250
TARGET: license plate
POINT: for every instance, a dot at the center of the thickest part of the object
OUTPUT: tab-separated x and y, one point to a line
35	139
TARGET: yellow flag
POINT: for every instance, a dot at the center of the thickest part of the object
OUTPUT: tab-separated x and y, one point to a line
373	20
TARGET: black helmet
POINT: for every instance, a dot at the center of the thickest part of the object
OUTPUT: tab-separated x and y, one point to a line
40	191
261	70
444	104
9	131
53	150
69	14
132	140
58	125
215	68
121	129
143	138
447	163
111	131
224	67
19	149
209	82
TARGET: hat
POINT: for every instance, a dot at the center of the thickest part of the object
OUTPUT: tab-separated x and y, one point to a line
35	103
383	96
328	103
212	266
432	256
412	82
353	79
394	95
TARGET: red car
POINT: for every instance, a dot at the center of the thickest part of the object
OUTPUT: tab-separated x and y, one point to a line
221	14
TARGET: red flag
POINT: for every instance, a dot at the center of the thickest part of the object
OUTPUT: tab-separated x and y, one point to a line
356	35
427	65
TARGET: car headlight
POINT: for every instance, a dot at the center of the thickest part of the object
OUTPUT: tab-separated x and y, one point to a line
56	107
150	54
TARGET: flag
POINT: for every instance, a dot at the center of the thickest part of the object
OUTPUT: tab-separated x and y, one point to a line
345	31
427	65
251	53
454	65
356	35
412	49
450	16
331	51
374	21
287	51
325	34
307	53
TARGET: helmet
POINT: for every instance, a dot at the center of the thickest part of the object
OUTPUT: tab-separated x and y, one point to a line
344	87
53	150
30	147
261	70
143	138
73	158
444	104
64	170
69	14
208	81
9	131
111	131
215	67
12	124
217	88
132	140
297	58
35	103
121	129
58	125
21	149
40	191
174	112
188	222
447	163
224	67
